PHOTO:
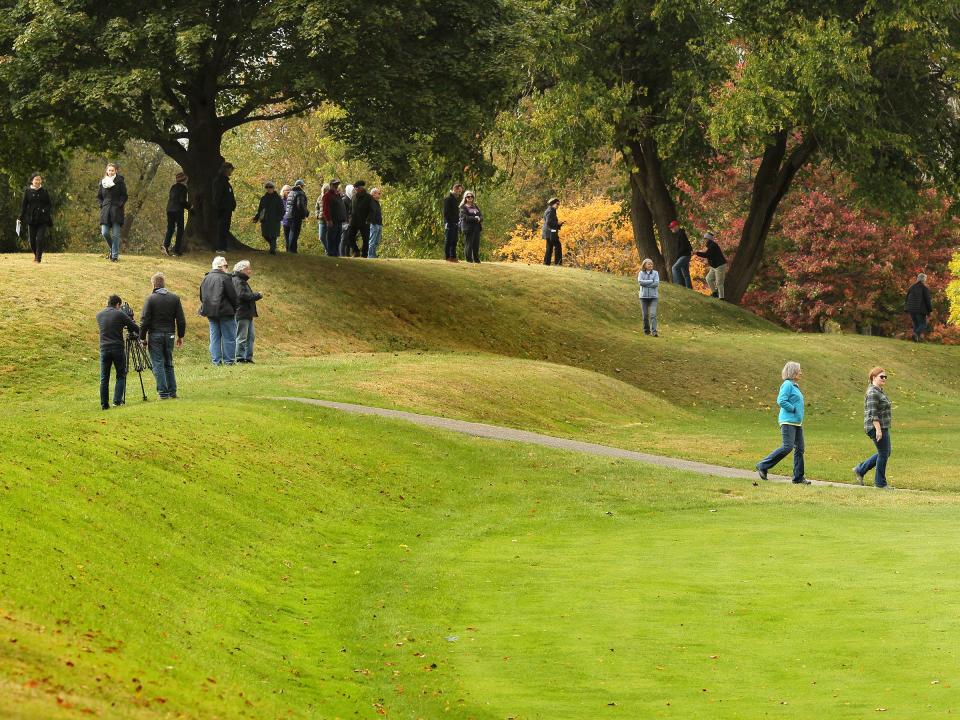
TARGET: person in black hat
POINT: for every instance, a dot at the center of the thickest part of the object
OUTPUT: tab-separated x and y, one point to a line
297	210
224	203
270	214
551	233
335	214
359	219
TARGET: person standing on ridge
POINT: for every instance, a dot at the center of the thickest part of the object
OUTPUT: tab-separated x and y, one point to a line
681	268
224	203
451	222
112	197
270	213
297	210
36	216
177	204
551	233
717	273
919	306
471	223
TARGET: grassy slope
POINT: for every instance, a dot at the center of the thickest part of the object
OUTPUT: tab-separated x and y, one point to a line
239	557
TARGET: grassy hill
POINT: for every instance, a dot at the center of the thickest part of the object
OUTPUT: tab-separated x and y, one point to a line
229	556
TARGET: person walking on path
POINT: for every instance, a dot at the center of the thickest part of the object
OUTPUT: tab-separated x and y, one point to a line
177	204
246	310
471	223
649	280
296	211
877	419
111	321
334	213
551	233
790	400
681	268
359	218
218	304
112	197
224	203
36	215
717	273
321	219
270	213
376	223
919	306
451	222
163	325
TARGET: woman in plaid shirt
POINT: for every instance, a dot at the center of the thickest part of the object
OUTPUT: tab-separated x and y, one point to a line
877	419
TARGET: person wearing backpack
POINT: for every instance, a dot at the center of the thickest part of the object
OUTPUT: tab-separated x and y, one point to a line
297	210
35	215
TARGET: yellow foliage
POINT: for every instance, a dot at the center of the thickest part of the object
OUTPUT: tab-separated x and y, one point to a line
595	236
953	290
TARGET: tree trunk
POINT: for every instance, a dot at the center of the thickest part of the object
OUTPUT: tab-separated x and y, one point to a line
146	178
642	222
771	183
648	180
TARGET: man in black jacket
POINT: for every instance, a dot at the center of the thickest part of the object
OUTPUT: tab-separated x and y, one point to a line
551	233
112	320
218	304
359	219
177	204
224	203
681	268
163	324
715	258
919	306
451	222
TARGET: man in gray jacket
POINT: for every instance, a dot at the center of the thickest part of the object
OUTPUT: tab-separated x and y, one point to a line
218	304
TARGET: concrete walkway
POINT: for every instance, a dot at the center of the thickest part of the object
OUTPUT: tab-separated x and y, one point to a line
496	432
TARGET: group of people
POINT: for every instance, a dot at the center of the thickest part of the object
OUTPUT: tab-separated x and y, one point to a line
877	421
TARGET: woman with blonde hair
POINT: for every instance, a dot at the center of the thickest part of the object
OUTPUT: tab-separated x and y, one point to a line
112	196
285	223
321	220
649	280
471	224
790	400
877	419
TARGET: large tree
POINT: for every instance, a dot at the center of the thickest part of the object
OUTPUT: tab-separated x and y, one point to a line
871	86
183	73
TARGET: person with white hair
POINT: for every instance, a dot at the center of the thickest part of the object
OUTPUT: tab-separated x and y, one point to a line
218	304
918	305
246	310
471	224
790	400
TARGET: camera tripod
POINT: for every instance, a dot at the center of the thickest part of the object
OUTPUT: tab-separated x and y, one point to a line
139	359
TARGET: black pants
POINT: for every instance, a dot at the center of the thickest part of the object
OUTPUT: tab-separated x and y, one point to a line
295	225
271	241
451	233
174	224
471	243
919	325
223	230
553	248
351	239
38	238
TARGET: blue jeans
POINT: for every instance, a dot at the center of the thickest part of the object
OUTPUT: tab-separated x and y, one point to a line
114	244
333	239
879	459
112	357
293	236
245	339
223	340
648	307
451	234
160	346
791	440
919	324
376	233
681	272
323	236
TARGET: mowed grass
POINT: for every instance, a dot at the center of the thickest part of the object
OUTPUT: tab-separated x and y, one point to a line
228	555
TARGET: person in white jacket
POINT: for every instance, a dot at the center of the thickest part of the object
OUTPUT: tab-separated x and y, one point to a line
649	280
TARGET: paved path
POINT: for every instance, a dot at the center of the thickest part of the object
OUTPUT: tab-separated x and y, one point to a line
496	432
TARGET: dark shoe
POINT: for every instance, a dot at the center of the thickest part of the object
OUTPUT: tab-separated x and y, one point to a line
654	334
117	404
104	407
858	476
646	332
888	486
715	294
801	481
761	473
250	362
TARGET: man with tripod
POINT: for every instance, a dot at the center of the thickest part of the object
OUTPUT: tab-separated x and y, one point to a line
162	315
112	320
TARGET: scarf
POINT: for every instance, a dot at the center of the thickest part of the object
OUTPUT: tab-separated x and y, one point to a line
108	182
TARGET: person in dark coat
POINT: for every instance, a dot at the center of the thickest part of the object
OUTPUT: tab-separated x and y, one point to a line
717	273
681	268
359	219
163	325
333	211
376	223
471	223
246	310
551	233
112	196
270	213
218	304
451	222
224	203
111	321
177	205
36	215
296	211
919	306
347	249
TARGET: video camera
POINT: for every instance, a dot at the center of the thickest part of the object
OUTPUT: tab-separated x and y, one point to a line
137	356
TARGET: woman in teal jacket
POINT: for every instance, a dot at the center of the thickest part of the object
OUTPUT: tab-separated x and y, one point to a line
790	400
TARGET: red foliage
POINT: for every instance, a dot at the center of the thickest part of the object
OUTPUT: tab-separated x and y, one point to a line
829	260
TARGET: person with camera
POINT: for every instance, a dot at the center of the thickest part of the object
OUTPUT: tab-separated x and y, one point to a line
218	304
35	215
163	324
112	321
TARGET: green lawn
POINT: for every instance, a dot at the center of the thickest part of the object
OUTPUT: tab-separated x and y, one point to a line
227	555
